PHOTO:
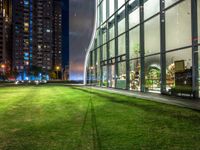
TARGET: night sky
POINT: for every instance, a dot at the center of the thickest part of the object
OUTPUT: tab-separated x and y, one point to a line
81	22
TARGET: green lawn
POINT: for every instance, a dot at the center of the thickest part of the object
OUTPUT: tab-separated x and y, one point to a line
55	117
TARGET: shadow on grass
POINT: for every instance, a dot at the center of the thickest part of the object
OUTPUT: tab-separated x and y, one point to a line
150	107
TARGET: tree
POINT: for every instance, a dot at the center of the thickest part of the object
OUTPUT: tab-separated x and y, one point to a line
53	75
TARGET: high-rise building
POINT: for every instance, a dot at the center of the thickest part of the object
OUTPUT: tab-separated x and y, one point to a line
57	33
1	31
37	40
5	31
43	34
22	35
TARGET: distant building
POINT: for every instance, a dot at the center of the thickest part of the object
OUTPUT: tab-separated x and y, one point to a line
5	31
37	30
57	33
43	34
22	35
1	31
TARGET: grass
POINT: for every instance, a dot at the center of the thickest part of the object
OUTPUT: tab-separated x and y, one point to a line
75	118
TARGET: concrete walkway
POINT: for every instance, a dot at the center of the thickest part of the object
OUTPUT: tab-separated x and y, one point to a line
178	101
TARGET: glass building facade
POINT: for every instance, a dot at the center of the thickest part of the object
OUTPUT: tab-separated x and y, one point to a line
147	46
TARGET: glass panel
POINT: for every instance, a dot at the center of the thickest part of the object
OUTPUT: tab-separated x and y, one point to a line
179	71
97	36
104	10
98	67
112	48
100	13
111	77
170	2
198	7
121	75
135	70
122	9
104	77
121	26
105	52
178	26
112	32
112	7
134	42
104	37
152	36
121	45
134	18
131	1
151	7
120	3
199	69
152	73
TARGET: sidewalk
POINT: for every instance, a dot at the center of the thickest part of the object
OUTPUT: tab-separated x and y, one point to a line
178	101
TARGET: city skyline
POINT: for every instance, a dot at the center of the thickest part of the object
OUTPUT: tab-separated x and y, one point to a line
32	37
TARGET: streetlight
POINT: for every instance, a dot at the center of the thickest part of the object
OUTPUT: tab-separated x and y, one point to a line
57	69
3	66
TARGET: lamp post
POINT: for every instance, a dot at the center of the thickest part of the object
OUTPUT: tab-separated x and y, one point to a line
57	69
3	66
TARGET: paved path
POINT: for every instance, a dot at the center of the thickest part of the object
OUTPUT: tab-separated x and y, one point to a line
182	102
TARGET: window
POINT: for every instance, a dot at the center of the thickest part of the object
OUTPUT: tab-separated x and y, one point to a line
104	10
112	32
120	3
134	18
178	25
198	7
151	7
170	2
121	26
152	73
104	77
184	77
112	48
104	52
134	42
152	36
112	7
121	45
121	75
135	70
